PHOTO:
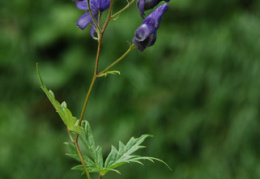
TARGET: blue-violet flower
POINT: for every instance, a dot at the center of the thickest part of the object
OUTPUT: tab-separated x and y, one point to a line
95	5
145	35
147	4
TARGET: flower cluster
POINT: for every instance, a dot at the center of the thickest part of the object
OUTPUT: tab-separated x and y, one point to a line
145	35
96	6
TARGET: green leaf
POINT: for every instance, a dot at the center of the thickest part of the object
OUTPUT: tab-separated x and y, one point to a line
90	169
61	109
94	159
88	141
93	156
125	155
109	72
99	157
89	162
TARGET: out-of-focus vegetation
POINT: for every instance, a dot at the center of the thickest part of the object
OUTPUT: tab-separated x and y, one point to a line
197	90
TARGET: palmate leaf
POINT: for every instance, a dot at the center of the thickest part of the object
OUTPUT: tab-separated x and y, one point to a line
90	163
88	141
93	157
61	109
125	155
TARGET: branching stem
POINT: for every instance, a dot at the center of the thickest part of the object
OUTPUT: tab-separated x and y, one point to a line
96	74
132	46
86	101
79	153
92	16
108	17
119	12
82	160
100	35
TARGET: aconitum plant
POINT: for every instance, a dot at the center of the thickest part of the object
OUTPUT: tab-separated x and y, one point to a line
89	155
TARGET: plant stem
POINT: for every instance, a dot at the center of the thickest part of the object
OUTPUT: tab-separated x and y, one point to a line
86	99
132	46
95	75
71	138
108	16
100	37
80	154
119	12
75	142
82	160
92	16
80	120
98	54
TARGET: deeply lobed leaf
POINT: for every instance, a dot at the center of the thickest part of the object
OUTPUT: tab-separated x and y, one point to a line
93	157
125	154
116	158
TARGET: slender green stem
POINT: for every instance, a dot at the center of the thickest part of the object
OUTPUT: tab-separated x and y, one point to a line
95	75
70	135
99	18
82	160
80	121
100	38
95	70
119	12
132	46
83	112
92	16
100	35
108	16
98	54
80	154
85	103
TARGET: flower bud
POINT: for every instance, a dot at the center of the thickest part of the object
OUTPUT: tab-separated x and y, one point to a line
145	35
147	4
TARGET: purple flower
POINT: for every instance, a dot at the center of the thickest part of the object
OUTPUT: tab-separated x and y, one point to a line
95	5
147	4
145	35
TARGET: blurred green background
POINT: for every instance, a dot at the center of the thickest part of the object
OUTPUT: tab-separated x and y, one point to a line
197	90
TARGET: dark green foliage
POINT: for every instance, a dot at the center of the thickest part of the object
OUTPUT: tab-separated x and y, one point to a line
93	156
196	90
